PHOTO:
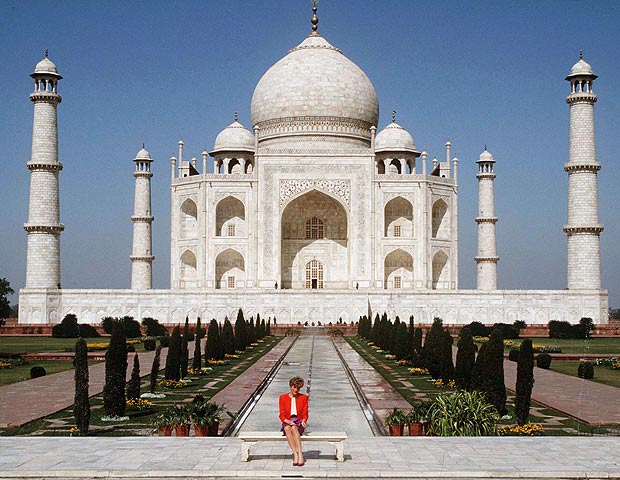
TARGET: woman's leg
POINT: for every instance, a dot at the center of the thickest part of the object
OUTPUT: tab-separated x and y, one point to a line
290	437
297	438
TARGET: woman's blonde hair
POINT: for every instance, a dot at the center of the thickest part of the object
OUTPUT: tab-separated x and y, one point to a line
296	382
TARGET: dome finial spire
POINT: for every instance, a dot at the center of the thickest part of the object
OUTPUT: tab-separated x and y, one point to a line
315	19
46	53
580	54
393	116
236	116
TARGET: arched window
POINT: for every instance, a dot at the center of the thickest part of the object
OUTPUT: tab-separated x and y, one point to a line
314	274
315	228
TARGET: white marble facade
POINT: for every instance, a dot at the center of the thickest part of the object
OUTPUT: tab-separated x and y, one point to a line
314	215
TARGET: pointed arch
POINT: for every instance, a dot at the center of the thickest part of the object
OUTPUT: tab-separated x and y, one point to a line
229	270
398	218
441	227
441	277
188	219
398	269
188	275
314	274
230	218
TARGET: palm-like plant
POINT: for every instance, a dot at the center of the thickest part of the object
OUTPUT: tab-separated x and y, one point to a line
462	414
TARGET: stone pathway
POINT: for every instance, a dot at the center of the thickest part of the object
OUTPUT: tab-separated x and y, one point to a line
365	457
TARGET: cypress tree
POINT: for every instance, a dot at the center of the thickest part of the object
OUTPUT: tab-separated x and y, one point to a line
446	365
400	347
465	359
417	357
115	371
394	338
433	348
228	338
410	334
197	360
213	346
525	382
155	369
81	405
488	374
251	331
259	328
133	386
173	360
268	331
374	337
185	349
241	336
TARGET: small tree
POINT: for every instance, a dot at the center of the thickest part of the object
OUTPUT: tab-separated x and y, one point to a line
446	365
268	330
81	405
410	335
228	338
433	348
115	371
185	349
154	328
67	328
488	374
197	360
5	291
251	331
133	386
173	360
465	359
155	369
241	335
400	346
525	382
213	347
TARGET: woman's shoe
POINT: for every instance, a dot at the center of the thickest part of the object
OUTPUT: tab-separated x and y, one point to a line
295	464
301	464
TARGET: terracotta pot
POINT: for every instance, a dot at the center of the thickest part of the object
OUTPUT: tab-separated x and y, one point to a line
426	425
214	429
416	429
201	431
165	431
397	430
181	430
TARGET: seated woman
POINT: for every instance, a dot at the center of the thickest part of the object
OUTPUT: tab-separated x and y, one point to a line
294	415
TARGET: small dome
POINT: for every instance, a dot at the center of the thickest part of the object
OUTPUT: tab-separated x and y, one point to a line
143	154
46	67
234	137
315	80
581	68
394	138
486	156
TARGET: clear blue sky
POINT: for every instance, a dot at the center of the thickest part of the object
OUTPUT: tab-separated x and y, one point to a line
476	72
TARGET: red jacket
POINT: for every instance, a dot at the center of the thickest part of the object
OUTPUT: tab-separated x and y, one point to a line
301	402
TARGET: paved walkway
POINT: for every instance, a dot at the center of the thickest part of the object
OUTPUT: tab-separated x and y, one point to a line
365	457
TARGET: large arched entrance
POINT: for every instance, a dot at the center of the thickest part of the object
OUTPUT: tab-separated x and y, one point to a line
314	229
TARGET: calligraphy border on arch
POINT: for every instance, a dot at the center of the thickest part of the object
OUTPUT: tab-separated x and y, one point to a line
339	188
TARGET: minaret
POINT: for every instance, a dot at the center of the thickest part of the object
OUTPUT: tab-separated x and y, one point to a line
44	227
141	252
487	254
583	228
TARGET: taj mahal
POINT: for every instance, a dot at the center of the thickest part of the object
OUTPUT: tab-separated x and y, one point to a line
314	212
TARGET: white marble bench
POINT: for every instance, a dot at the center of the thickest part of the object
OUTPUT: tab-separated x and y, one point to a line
248	439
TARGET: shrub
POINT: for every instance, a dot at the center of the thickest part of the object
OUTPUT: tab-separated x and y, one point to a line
130	326
478	329
513	355
488	375
154	328
400	344
508	331
164	341
185	349
462	413
520	324
133	386
115	371
213	347
88	331
81	404
525	381
37	371
465	359
543	361
417	352
446	365
197	359
586	370
67	328
241	334
154	370
149	344
131	348
558	329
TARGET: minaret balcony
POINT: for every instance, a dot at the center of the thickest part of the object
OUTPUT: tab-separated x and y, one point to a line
486	219
142	218
581	97
50	97
34	166
576	229
32	228
591	167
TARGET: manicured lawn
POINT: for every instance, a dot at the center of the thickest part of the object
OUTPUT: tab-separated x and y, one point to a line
20	373
31	344
602	374
414	388
591	345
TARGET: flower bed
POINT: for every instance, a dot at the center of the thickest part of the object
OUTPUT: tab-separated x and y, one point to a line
138	404
173	384
527	430
201	371
418	371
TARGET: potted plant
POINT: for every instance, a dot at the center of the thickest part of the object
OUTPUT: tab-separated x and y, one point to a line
182	420
164	422
214	416
414	420
423	408
201	418
395	421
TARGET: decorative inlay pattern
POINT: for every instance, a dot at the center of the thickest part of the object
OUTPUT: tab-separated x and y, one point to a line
339	188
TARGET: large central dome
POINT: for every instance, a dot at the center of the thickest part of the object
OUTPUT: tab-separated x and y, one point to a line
313	88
